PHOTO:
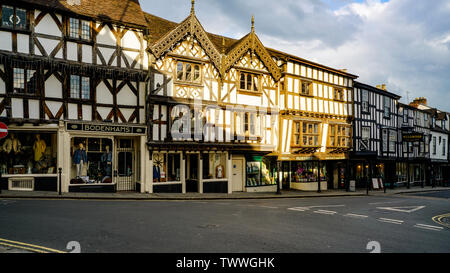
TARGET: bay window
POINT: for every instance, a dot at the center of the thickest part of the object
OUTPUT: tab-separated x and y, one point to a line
306	134
339	136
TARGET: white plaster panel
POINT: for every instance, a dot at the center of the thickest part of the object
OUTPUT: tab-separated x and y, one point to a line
48	45
87	54
23	43
126	96
106	37
290	67
126	113
315	92
17	108
308	105
302	104
297	102
315	105
103	94
130	40
48	26
53	88
87	112
5	41
72	51
33	110
303	71
131	56
2	87
73	111
106	53
53	106
142	94
104	111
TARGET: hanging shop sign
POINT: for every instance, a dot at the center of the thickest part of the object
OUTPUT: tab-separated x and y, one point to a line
106	128
412	137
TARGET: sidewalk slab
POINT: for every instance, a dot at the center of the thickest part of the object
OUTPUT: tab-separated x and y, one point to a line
207	196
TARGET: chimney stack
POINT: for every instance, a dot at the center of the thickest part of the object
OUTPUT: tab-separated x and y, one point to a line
419	101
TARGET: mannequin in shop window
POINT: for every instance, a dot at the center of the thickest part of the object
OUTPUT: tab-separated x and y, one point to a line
107	161
39	148
12	147
79	159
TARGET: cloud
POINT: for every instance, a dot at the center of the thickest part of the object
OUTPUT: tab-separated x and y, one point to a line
402	43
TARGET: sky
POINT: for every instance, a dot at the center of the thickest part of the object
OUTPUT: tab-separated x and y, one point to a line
404	44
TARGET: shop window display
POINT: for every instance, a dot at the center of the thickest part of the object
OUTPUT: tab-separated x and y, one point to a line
166	167
214	166
305	172
401	171
260	172
28	153
92	159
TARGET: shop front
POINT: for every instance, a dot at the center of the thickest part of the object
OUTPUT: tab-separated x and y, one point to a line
29	158
103	157
261	173
303	175
189	171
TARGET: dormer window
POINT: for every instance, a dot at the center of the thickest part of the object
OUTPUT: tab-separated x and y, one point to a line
79	29
188	72
13	17
249	82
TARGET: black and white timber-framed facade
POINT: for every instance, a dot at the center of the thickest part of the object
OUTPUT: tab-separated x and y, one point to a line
71	73
376	138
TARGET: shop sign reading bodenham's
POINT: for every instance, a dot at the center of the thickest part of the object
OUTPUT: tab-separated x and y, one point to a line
106	128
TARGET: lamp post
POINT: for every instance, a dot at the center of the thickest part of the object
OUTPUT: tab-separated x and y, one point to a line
278	177
60	172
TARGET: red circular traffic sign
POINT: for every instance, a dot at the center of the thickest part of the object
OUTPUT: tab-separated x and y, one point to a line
3	130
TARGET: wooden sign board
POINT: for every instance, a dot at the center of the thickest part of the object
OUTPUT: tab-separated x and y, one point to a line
375	183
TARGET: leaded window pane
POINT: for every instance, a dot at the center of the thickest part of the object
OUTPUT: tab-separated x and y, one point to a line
7	16
85	30
85	88
75	87
21	18
74	27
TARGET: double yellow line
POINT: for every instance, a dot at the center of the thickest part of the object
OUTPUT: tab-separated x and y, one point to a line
28	247
438	219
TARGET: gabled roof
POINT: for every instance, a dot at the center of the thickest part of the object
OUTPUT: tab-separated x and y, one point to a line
117	11
169	37
159	27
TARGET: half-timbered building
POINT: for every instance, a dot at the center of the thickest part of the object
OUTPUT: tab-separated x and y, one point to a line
72	92
439	139
212	110
316	111
375	135
414	125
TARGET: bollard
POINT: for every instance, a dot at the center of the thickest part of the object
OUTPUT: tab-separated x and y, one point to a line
60	171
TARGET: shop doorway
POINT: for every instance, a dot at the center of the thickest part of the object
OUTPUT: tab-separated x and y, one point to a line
238	174
125	165
192	172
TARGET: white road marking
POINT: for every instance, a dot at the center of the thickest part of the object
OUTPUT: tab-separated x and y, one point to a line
403	209
328	212
269	207
378	203
428	227
356	215
311	207
391	221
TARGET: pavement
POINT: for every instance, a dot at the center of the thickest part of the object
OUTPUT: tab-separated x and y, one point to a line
210	196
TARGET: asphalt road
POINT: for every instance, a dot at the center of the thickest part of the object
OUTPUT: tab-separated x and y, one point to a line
400	224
